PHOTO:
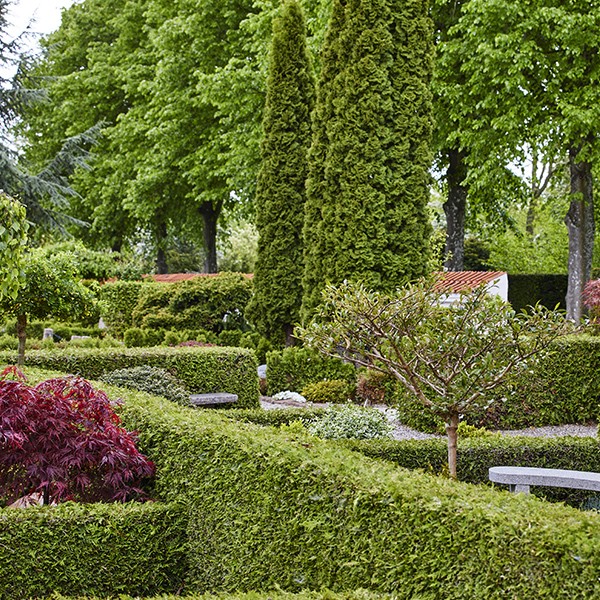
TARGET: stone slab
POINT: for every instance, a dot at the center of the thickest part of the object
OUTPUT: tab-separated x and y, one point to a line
520	478
211	399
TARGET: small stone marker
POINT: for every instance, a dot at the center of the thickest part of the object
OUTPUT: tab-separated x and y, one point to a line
212	399
48	334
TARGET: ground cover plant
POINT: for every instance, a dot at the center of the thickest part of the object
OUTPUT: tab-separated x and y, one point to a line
448	357
63	440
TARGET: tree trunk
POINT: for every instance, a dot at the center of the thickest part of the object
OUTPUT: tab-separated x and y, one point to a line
581	227
451	432
22	336
290	340
454	208
161	256
210	214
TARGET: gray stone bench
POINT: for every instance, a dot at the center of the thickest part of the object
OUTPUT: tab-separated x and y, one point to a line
208	400
519	479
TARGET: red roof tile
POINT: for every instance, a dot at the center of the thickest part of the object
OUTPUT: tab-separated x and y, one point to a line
461	281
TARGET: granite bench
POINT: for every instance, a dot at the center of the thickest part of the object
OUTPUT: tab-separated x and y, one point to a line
208	400
519	479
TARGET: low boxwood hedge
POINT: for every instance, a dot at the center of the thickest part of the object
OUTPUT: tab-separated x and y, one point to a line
95	549
202	370
276	416
271	508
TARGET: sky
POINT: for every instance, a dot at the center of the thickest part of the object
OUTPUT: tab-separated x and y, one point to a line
44	13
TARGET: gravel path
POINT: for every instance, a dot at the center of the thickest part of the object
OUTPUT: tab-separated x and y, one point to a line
402	432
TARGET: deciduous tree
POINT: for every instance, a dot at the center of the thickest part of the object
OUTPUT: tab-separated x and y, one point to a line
448	358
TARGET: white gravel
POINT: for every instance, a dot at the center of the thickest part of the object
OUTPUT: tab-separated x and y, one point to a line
402	432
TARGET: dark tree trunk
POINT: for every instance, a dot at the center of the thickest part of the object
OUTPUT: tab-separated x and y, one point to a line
161	256
454	208
210	215
22	336
290	340
581	227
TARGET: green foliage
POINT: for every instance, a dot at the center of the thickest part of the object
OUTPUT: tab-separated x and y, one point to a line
561	389
259	496
230	337
201	303
294	368
237	251
89	264
134	337
202	370
277	416
335	391
351	422
153	380
118	301
280	191
368	183
95	549
477	454
528	290
13	239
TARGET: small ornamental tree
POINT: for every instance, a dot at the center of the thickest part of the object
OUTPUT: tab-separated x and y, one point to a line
49	288
591	299
63	439
280	192
448	358
13	239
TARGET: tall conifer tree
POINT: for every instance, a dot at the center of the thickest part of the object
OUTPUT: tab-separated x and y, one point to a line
366	211
280	194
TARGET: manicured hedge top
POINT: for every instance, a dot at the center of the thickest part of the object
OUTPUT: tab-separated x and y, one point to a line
272	509
202	370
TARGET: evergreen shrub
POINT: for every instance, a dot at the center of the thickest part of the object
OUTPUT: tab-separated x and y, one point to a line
95	549
294	368
134	337
334	391
152	380
563	389
202	370
258	497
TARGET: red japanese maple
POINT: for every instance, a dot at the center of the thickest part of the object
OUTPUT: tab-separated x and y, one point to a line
62	438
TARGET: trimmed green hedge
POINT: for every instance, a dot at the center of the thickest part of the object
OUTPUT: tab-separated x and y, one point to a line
276	595
100	549
477	455
527	290
294	368
275	417
202	370
272	509
119	299
564	389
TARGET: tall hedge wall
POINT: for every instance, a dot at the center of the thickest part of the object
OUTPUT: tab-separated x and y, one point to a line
202	370
527	290
270	509
96	549
563	389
